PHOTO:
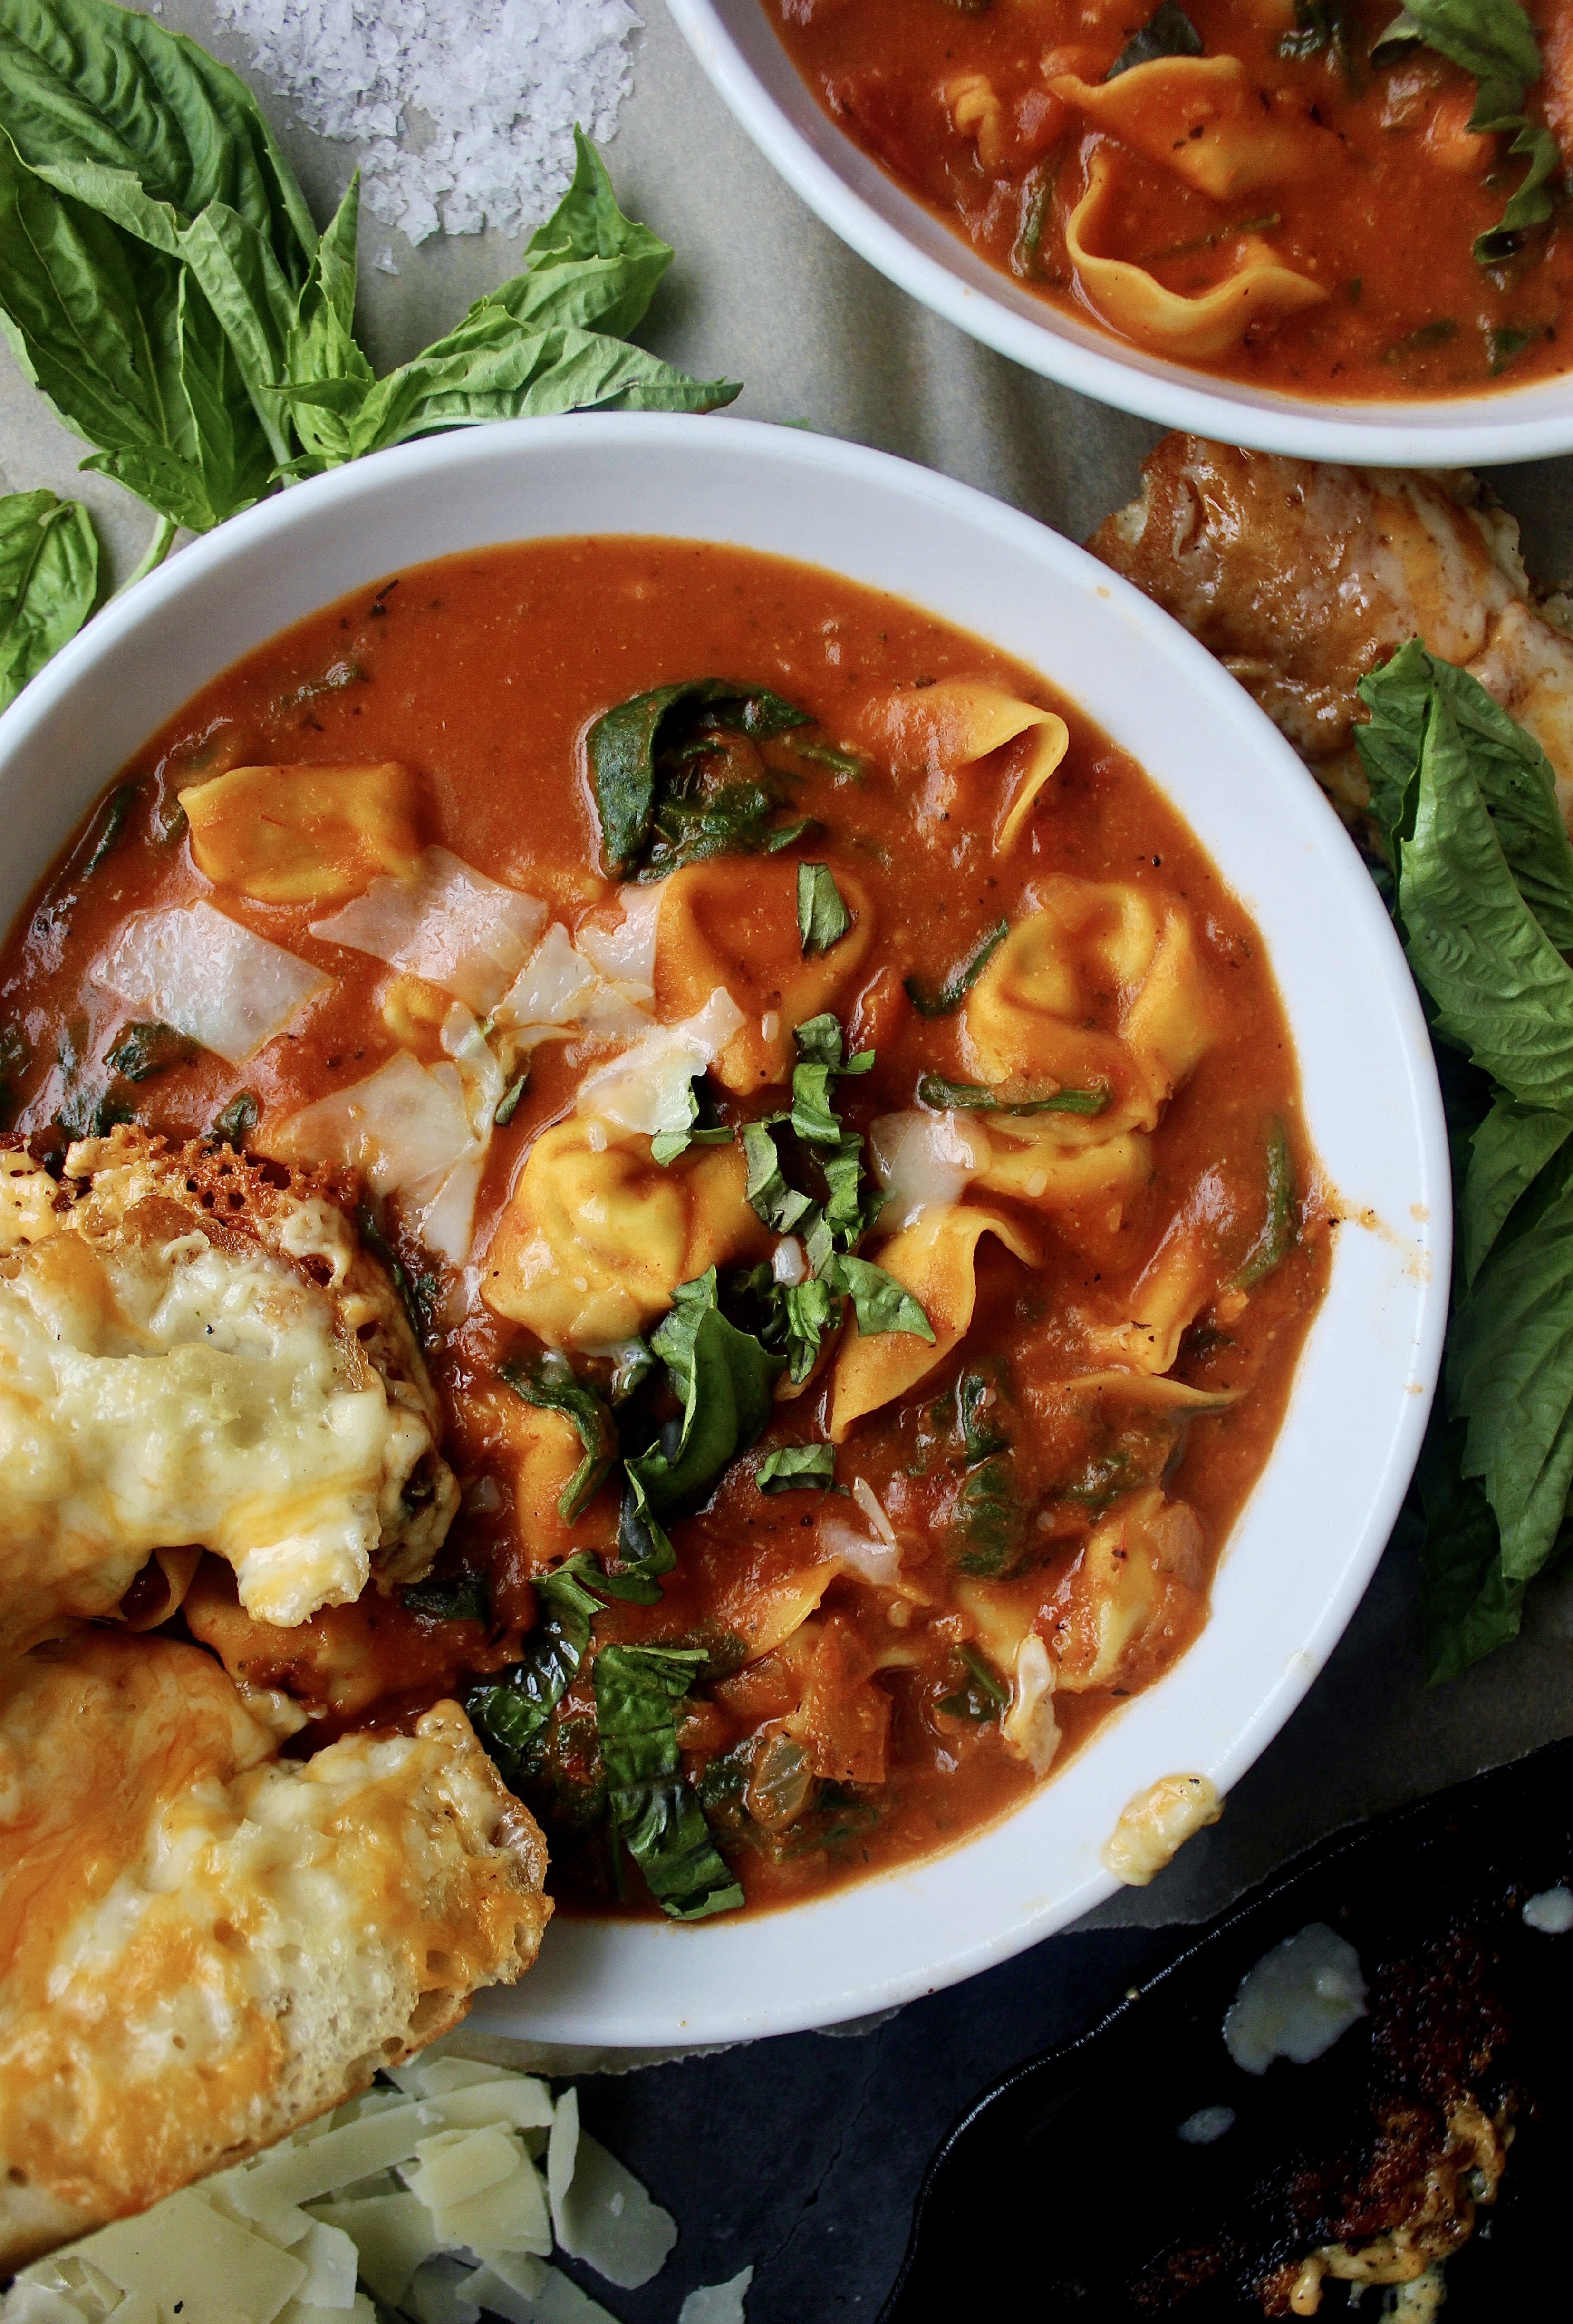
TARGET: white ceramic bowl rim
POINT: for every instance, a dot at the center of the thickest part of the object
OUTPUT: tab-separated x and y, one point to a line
741	52
1302	1552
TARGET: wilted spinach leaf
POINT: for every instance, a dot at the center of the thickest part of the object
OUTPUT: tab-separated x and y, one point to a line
646	761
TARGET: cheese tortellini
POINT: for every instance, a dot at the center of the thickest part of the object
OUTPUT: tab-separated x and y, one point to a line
1026	1019
936	1259
960	724
304	834
598	1236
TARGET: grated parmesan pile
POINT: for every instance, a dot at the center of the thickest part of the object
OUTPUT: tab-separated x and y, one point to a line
461	111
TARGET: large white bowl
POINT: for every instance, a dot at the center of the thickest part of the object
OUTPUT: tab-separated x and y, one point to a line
1305	1546
736	42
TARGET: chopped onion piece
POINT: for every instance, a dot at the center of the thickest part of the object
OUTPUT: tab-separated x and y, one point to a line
923	1158
225	987
647	1087
465	933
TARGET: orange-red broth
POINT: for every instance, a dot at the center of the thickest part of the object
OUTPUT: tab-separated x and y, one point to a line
1380	206
482	673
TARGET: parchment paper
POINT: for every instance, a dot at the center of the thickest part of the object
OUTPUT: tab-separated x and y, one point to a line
763	293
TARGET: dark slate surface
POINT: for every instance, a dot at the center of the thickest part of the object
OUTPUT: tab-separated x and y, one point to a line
803	2155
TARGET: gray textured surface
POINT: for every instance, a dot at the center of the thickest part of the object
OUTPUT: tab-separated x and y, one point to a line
763	293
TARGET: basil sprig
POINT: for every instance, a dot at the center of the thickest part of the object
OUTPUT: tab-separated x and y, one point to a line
1495	42
164	284
48	581
1483	897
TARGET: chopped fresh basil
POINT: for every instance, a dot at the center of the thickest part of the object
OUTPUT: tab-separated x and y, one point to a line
638	1691
512	1714
1422	339
1274	1244
701	1128
461	1597
143	1050
982	1695
878	1301
1321	24
87	1109
647	759
1167	32
956	987
417	1294
777	1204
807	1311
725	1379
1483	899
973	1097
846	766
823	918
1506	342
49	580
791	1467
977	1409
106	831
235	1123
1533	200
508	1103
548	1383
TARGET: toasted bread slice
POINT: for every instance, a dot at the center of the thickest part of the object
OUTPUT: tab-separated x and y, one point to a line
203	1945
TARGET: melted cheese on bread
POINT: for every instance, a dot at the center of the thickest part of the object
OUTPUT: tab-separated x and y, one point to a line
190	1353
202	1945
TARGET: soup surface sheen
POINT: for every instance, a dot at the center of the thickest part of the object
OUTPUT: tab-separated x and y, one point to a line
1268	202
907	1581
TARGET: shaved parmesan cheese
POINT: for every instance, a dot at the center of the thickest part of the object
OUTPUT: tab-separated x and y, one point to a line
562	2155
921	1158
560	2300
447	1224
37	2303
625	954
330	2260
1297	2001
290	2174
183	2253
405	1127
393	2235
425	2078
465	933
606	2217
526	2105
357	2309
522	2275
438	2294
873	1508
877	1560
456	2164
222	986
646	1088
552	984
1029	1727
717	2303
510	2216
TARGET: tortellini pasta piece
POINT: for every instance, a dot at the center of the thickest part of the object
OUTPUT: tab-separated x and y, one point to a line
1141	1569
1025	1019
304	834
1032	1159
597	1236
935	1258
1134	303
962	722
538	1451
1177	1282
1202	117
733	924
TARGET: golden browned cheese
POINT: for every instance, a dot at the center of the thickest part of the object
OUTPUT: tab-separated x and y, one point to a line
1302	577
191	1351
202	1945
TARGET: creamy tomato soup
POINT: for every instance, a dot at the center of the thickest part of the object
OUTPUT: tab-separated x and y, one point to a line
838	1143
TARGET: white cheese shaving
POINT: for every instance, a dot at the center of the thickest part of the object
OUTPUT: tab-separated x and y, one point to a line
1297	2001
1551	1912
551	985
1206	2126
452	925
393	2234
408	1128
921	1158
185	2252
222	985
625	954
877	1560
1029	1727
606	2217
438	2295
647	1088
717	2303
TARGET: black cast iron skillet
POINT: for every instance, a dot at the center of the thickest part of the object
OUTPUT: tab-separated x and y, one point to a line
1066	2188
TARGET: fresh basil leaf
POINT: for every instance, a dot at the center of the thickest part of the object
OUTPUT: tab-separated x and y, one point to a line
588	265
638	1691
416	1293
1501	990
1167	32
790	1468
808	1310
1321	24
1509	1376
143	1050
1276	1238
973	1097
461	1597
823	918
508	1103
1533	202
627	746
512	1715
87	1109
1469	1606
1508	1152
983	1694
548	1383
978	1405
644	1551
878	1301
1397	697
235	1124
779	1205
320	347
725	1380
49	580
1494	40
956	987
